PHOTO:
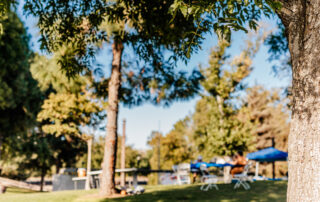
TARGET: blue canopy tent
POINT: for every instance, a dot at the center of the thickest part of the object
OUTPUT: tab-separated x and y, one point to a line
270	154
208	165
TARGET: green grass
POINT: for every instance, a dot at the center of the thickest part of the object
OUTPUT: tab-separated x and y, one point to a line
260	191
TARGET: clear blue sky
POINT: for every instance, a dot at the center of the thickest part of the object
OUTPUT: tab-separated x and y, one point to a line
142	120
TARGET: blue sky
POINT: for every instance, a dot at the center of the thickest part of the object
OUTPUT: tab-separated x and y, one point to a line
146	118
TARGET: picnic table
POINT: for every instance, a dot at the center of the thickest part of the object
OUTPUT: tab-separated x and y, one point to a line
95	175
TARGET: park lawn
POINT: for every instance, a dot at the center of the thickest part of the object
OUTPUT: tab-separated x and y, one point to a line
260	191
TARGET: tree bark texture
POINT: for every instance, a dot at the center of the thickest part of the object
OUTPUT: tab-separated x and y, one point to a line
123	155
89	146
110	150
301	19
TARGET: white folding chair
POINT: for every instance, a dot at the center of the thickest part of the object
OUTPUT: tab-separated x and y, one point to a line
209	181
183	173
243	178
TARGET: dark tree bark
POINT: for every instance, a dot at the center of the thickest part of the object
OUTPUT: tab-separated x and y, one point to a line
110	150
301	19
43	174
0	152
58	165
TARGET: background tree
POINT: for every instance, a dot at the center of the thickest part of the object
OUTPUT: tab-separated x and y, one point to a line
20	98
70	106
27	151
71	103
299	20
4	9
151	32
270	115
175	147
218	129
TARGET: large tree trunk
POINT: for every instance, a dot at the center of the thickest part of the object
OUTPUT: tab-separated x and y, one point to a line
110	150
301	19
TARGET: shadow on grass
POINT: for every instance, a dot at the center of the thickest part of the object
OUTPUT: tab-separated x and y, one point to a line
260	191
12	190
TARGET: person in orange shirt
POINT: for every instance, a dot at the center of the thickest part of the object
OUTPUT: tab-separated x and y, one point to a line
239	162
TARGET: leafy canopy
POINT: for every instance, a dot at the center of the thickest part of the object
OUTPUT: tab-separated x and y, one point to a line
177	26
218	129
20	98
70	104
147	26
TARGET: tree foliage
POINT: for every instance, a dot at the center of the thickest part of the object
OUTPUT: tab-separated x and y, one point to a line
228	15
218	129
64	114
4	9
20	98
270	114
70	104
279	51
175	147
146	26
51	78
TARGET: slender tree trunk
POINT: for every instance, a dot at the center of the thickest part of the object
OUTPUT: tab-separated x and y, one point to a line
43	174
159	156
89	143
2	188
123	155
0	152
110	150
301	20
273	163
58	165
220	107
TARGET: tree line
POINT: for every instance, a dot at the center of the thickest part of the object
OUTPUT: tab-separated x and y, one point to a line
229	116
178	27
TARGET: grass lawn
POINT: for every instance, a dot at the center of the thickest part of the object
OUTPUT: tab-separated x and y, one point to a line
260	191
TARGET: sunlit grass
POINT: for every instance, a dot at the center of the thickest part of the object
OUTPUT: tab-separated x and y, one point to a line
260	191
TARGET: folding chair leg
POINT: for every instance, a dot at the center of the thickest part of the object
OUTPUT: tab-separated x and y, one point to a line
202	187
237	184
247	186
243	183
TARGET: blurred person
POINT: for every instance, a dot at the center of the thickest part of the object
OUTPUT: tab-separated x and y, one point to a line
239	162
195	174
